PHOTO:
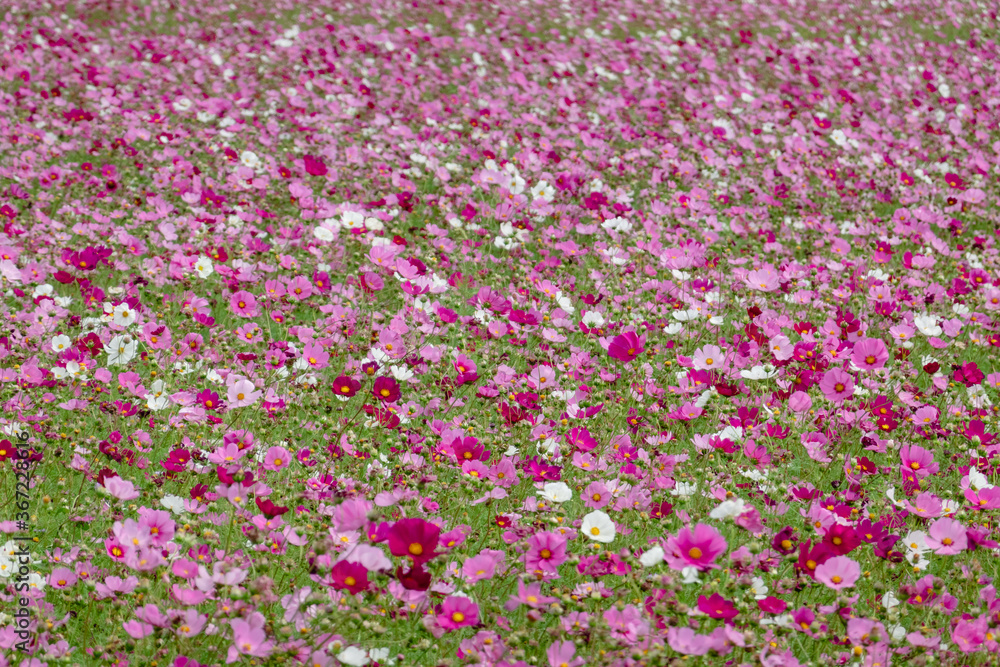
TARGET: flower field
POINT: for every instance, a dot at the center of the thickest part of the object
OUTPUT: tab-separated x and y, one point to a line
537	334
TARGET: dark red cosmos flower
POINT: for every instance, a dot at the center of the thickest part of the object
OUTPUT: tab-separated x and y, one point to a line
414	579
198	492
346	386
268	508
218	253
717	606
415	539
785	540
351	577
626	347
386	389
104	475
661	510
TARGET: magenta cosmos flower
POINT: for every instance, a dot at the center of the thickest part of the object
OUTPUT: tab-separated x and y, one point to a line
244	304
695	548
457	612
869	354
838	572
837	385
415	539
626	347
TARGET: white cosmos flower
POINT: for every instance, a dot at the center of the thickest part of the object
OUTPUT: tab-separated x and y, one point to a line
617	224
173	503
927	325
123	315
592	318
250	159
352	219
689	575
556	492
728	509
565	303
401	373
156	399
759	372
889	600
684	489
323	234
652	558
915	546
60	343
203	267
353	656
599	527
686	315
121	350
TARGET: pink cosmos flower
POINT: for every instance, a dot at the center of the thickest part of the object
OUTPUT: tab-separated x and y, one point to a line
869	354
686	641
300	288
839	572
482	566
249	638
560	654
242	393
596	495
708	357
970	635
62	577
837	385
947	537
546	552
158	524
799	402
114	585
626	347
457	612
315	356
277	458
120	488
695	548
917	461
763	280
243	304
